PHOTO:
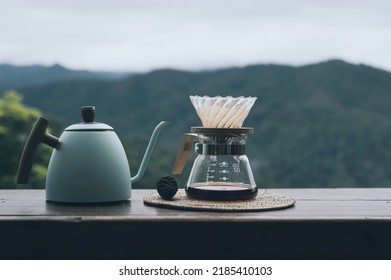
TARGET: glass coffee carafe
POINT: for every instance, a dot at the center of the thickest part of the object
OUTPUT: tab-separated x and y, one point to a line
221	170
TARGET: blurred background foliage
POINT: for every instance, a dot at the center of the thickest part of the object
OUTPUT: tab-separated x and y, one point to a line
15	120
319	125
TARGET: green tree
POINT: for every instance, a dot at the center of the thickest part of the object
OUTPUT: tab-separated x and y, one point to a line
16	121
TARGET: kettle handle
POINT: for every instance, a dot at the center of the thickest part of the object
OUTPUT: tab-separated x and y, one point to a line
184	151
37	135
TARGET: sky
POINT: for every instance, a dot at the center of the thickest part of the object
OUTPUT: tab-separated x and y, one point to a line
143	35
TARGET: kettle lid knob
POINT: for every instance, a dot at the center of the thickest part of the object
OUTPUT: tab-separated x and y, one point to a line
88	113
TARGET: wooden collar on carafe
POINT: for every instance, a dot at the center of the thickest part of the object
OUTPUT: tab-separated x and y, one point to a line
222	131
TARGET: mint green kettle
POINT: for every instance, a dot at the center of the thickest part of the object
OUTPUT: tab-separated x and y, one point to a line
88	163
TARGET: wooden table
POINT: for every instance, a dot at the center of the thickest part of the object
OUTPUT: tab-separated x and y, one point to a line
324	224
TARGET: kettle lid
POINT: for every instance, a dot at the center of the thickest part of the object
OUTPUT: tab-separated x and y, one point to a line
88	114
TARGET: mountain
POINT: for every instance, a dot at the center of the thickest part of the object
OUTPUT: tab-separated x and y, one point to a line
321	125
16	76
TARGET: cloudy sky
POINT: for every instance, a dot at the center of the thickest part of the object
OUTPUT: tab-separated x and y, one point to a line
141	35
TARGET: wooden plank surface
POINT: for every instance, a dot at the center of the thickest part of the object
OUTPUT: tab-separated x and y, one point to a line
311	204
324	224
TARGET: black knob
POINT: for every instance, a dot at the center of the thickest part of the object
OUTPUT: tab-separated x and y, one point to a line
88	113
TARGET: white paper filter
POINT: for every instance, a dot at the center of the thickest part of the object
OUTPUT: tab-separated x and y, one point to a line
222	112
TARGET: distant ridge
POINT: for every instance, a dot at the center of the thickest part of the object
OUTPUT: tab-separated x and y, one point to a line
12	77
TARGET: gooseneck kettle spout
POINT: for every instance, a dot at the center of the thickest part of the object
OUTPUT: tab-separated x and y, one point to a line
148	152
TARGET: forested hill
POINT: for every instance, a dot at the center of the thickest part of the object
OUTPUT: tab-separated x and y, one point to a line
326	124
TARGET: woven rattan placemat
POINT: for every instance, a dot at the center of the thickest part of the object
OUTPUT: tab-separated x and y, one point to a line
263	201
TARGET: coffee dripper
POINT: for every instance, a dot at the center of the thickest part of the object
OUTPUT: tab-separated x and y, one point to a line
221	170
